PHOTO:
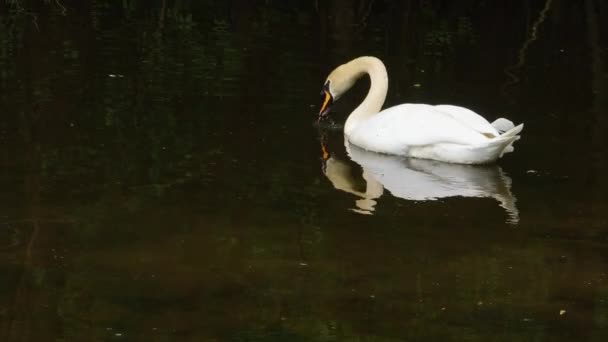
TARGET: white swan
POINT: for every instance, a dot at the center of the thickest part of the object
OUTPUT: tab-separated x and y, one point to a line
445	133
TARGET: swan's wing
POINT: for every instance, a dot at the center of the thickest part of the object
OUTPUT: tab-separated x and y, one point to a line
396	128
503	125
469	118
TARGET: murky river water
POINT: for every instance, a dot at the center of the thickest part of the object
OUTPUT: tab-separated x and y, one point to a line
162	178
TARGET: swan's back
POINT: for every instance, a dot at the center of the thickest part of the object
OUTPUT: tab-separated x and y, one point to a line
398	128
428	132
470	119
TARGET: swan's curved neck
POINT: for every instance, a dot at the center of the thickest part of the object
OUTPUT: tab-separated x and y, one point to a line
377	92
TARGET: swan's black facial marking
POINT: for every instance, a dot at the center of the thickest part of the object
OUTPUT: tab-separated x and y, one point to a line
326	100
326	85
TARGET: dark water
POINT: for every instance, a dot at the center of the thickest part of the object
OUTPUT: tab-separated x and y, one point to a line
162	180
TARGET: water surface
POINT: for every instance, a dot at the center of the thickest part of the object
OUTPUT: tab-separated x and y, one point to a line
162	179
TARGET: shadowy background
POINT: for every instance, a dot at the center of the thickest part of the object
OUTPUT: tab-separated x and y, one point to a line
161	180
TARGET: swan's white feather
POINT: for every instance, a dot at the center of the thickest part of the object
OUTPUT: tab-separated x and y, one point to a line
469	118
502	124
431	132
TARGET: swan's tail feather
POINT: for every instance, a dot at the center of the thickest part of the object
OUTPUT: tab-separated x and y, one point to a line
502	125
512	133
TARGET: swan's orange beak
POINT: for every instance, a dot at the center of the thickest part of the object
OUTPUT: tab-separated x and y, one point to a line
326	101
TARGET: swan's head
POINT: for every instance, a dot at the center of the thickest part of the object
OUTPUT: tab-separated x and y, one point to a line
337	83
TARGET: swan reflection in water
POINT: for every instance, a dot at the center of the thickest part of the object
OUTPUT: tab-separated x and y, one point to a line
414	179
